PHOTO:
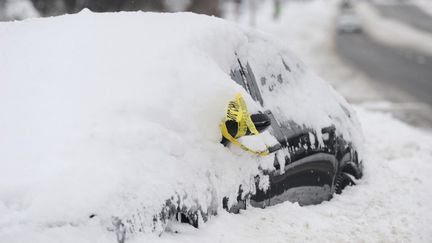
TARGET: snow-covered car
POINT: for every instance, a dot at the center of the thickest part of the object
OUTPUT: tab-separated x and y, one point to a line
116	119
309	166
348	22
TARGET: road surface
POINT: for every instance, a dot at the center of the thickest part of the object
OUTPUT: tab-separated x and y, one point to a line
402	76
407	13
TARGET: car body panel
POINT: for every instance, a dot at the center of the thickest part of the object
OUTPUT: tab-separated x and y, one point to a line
311	168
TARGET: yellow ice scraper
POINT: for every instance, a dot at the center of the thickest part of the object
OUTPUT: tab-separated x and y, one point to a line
238	123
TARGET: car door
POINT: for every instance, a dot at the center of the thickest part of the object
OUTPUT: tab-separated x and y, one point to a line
304	170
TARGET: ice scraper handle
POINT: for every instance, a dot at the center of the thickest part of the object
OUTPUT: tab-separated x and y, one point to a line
239	122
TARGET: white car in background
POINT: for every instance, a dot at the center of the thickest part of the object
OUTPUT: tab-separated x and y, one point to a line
348	22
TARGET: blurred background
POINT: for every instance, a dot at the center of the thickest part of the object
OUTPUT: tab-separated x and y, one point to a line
377	53
20	9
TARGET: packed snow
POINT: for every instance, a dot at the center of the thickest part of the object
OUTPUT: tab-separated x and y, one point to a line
56	168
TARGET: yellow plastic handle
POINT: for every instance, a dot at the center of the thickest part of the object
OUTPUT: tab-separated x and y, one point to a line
237	111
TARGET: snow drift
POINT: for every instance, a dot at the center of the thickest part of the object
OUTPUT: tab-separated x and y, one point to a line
112	114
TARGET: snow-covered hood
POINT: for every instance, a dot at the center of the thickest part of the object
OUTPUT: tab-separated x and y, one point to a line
110	114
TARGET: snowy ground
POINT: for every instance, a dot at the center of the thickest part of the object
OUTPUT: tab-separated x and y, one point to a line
390	204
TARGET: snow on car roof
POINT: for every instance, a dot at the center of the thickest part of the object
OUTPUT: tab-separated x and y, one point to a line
110	113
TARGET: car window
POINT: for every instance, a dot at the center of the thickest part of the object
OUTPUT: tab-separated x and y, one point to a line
244	76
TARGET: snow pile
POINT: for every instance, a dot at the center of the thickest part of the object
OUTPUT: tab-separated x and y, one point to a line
113	114
109	114
392	32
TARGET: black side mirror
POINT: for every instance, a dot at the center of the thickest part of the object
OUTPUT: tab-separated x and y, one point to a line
260	120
